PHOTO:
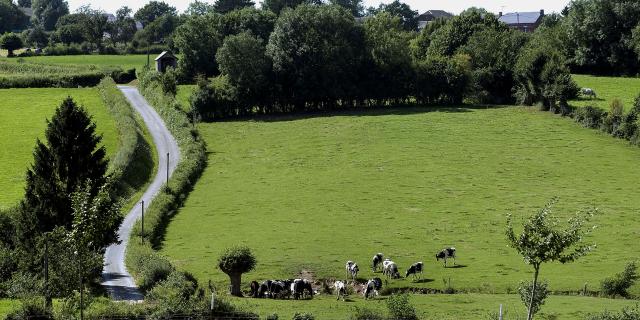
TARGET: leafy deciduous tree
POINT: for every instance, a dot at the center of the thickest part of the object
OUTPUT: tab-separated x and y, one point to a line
10	42
154	10
47	12
224	6
234	262
542	241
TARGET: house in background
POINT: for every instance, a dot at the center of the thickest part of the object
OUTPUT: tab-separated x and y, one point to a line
523	21
431	16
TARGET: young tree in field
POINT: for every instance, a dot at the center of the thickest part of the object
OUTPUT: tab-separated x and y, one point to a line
47	12
542	241
10	42
234	262
224	6
70	159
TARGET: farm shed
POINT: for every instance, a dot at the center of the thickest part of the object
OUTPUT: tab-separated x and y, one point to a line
164	60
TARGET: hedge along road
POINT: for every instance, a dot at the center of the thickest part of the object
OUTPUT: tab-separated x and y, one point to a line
118	282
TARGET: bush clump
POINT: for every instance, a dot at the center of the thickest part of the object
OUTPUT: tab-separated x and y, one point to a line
628	313
590	117
400	308
303	316
621	282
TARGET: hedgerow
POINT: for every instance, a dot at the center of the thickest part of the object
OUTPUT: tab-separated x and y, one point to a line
36	75
143	261
133	164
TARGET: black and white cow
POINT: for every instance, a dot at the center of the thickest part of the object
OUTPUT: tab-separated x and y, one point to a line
447	253
352	269
372	287
341	289
390	269
301	288
415	270
376	261
264	290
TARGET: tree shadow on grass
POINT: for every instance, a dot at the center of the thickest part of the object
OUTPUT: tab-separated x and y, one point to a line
457	266
422	281
361	112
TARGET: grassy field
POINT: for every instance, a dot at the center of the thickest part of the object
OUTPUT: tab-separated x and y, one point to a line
607	89
6	306
124	61
23	115
310	194
459	306
184	92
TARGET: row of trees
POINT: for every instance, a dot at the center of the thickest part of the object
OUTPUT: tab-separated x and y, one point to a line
318	57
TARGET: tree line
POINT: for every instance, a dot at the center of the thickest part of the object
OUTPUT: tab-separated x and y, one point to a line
321	57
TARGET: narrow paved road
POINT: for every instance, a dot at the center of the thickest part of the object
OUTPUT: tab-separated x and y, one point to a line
117	281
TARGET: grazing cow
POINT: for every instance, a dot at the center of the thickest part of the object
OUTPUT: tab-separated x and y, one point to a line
447	253
391	270
589	92
376	261
264	289
352	269
300	287
255	287
341	289
278	289
415	270
372	287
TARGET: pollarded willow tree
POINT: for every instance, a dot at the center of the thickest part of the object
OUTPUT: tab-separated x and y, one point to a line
234	262
542	240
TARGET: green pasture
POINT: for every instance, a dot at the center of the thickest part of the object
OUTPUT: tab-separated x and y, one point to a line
184	92
6	306
309	193
607	89
125	61
458	306
23	114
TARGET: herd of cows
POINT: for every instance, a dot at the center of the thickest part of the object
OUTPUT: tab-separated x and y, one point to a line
303	288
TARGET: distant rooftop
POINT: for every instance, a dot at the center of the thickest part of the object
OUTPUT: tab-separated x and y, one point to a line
521	17
434	14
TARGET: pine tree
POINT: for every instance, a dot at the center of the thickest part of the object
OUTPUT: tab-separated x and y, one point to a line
70	159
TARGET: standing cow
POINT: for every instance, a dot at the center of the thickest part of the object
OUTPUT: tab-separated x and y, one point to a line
372	287
376	261
352	269
300	288
447	253
341	290
589	92
390	269
415	270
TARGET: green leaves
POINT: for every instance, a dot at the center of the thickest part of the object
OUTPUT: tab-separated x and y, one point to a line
237	260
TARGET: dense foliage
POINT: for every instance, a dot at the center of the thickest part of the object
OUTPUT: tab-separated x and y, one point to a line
620	282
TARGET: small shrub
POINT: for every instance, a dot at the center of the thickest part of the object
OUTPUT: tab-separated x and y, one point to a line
621	282
400	307
154	269
169	82
30	308
612	121
542	291
303	316
366	314
628	313
273	316
590	117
